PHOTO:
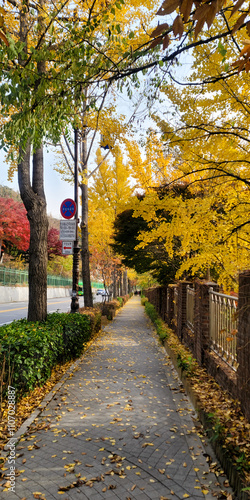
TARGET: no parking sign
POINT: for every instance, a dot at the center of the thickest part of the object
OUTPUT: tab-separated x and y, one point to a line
68	208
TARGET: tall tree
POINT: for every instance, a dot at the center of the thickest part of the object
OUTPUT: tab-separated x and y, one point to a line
93	132
109	192
209	140
59	51
62	49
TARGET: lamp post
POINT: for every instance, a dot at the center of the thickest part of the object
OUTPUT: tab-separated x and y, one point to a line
76	249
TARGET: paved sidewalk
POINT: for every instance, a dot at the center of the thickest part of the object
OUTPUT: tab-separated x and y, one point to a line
120	427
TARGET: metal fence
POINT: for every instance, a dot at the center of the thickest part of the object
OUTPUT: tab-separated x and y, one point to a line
58	281
223	326
190	308
12	277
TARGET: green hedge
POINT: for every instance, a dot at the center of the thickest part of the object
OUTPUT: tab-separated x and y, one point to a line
29	351
161	328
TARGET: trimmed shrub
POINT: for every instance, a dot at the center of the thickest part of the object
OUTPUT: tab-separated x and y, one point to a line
123	299
76	330
151	312
161	328
95	316
29	351
109	308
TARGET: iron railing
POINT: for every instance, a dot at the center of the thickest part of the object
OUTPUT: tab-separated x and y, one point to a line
223	326
190	308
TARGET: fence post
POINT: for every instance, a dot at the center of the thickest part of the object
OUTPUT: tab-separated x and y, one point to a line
243	342
201	318
164	303
182	307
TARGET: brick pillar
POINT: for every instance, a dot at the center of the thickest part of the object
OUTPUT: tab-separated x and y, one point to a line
158	298
164	303
243	342
182	307
170	305
201	318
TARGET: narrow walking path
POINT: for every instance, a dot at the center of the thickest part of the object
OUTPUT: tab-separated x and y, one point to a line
121	427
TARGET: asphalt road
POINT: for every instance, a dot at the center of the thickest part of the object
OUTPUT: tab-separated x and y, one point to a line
18	310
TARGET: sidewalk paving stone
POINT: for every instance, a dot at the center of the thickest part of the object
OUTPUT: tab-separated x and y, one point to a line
120	427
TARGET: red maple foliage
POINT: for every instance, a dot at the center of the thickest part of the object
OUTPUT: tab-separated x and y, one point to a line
54	244
14	225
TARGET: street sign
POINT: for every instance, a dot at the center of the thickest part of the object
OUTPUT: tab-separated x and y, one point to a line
67	230
68	208
67	247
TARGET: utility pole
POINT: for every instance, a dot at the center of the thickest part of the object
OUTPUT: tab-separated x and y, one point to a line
76	250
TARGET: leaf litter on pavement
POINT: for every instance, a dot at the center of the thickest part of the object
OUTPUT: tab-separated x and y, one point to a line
114	464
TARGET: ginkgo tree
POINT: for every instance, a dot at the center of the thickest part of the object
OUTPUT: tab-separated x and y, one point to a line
109	192
209	141
103	128
193	19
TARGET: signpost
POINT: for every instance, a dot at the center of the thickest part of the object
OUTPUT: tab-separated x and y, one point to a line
67	247
67	230
68	208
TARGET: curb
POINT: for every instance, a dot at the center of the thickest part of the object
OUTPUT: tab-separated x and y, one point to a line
222	455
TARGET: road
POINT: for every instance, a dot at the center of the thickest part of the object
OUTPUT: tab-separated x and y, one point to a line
17	310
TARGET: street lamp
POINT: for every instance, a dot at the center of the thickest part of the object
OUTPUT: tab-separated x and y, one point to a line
76	249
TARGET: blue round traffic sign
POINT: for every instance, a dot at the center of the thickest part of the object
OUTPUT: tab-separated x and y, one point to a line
68	208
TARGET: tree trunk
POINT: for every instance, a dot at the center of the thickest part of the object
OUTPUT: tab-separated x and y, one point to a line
114	283
120	292
34	201
125	282
88	298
